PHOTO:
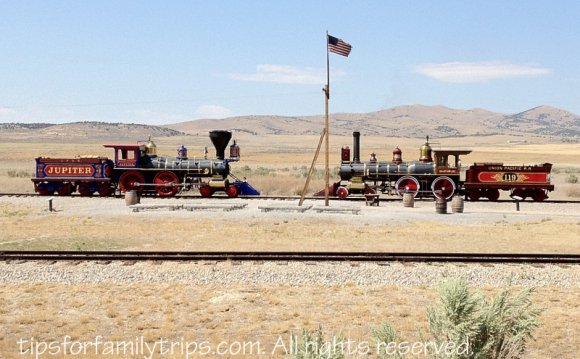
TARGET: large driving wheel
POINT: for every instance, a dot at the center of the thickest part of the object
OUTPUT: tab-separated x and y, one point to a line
443	187
407	184
166	184
131	181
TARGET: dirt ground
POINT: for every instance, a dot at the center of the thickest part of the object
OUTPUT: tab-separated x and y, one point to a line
107	223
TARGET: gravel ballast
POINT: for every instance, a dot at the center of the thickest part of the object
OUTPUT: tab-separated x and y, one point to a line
295	274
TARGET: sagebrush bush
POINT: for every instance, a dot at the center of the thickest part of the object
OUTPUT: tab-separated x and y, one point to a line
12	173
496	329
572	179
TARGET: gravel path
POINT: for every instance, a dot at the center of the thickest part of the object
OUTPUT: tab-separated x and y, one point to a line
393	212
295	274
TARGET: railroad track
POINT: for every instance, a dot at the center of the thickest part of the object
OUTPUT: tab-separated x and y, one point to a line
290	256
286	198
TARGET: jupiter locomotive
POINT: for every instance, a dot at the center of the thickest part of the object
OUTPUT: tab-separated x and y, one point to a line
438	173
137	167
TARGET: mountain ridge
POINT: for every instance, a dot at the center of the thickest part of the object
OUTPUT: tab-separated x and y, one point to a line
412	121
404	121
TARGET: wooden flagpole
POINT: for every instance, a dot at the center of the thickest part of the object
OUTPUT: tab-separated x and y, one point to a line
326	143
324	136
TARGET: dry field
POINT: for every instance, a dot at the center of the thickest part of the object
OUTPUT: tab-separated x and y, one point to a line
232	313
278	165
275	165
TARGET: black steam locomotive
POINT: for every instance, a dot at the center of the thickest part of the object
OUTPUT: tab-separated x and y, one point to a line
439	173
138	167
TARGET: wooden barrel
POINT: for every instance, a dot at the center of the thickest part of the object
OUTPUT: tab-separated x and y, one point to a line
131	198
408	200
457	204
441	205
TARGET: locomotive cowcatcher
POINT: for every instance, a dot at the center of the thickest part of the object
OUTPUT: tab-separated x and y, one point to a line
138	167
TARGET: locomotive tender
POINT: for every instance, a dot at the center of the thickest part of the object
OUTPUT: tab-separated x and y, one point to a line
438	173
137	167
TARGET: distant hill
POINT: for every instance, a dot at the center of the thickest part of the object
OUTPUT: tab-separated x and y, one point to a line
414	121
404	121
86	130
543	120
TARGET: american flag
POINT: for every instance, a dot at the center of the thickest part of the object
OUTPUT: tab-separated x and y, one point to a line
338	46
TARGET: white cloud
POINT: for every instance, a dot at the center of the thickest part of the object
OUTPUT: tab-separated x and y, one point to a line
7	111
285	74
213	111
466	72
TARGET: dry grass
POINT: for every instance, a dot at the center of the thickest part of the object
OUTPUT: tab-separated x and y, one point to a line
26	227
120	312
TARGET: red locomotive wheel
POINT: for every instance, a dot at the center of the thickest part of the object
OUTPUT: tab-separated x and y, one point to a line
519	192
104	189
167	184
539	195
65	190
407	184
443	187
232	191
85	190
42	189
342	192
492	194
205	191
369	190
474	195
131	181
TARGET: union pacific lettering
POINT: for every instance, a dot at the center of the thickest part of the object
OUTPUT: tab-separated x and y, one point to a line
69	171
510	168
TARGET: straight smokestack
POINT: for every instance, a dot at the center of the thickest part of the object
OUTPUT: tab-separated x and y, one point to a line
356	147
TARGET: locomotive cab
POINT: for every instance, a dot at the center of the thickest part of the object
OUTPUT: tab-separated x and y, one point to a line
128	156
447	165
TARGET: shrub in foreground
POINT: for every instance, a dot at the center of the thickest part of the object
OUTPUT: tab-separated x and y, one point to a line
495	329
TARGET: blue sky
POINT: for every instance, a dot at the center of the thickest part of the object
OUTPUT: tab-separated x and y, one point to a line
160	62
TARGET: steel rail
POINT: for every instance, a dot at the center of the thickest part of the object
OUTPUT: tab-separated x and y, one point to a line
288	198
289	256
